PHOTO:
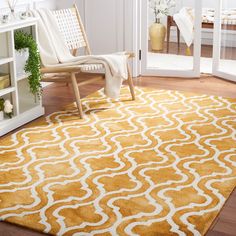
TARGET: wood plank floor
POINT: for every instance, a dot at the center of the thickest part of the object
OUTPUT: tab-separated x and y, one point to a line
56	96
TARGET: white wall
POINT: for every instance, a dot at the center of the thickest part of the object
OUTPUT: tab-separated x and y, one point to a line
104	24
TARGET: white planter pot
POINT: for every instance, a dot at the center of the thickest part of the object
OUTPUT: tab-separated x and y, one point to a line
1	116
21	59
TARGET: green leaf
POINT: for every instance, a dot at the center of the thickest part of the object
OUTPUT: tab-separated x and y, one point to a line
24	40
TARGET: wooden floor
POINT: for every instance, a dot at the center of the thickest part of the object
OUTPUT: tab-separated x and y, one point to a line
56	96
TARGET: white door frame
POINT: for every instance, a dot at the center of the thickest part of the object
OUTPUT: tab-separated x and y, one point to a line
132	19
195	72
217	45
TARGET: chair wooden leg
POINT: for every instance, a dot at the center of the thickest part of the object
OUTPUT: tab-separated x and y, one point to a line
178	39
131	85
168	37
77	94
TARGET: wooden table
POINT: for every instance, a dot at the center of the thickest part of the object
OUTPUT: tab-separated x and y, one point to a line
205	25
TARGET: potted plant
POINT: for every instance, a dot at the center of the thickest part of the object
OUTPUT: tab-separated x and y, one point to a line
5	108
28	51
157	30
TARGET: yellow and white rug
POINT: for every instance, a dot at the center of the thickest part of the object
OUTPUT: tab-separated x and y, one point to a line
161	165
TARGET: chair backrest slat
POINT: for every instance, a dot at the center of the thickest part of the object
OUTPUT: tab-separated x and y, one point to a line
71	28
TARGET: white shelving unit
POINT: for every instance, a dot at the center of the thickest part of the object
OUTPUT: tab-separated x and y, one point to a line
26	108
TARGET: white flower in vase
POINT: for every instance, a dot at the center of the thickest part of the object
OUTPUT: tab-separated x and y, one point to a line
161	8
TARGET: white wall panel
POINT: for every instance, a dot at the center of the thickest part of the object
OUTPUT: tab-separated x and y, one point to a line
103	19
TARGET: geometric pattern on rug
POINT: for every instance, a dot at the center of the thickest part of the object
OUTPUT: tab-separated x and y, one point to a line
161	165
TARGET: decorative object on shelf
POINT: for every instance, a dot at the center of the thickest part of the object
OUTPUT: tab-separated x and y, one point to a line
5	18
23	15
8	108
21	56
157	30
12	5
24	40
5	108
4	81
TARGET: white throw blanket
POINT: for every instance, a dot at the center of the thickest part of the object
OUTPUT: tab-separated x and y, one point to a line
54	52
185	22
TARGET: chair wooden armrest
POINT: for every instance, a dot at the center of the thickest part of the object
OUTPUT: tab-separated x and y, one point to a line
130	54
